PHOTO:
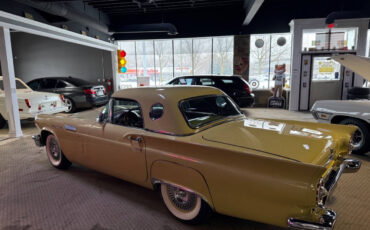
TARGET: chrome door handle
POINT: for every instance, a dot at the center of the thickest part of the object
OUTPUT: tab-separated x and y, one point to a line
137	139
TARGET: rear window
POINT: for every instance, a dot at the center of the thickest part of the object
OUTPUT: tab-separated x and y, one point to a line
77	82
200	111
18	85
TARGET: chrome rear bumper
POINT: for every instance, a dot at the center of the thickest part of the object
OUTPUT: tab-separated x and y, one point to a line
327	219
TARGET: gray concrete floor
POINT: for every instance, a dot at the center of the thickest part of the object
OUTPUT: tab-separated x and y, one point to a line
34	195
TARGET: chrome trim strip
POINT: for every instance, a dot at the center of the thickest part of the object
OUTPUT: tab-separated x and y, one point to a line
351	165
328	221
70	128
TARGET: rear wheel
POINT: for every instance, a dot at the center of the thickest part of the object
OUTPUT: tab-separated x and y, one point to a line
55	154
2	122
186	206
70	105
361	137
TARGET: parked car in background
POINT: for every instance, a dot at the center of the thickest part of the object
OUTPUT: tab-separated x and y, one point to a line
77	93
30	103
350	112
202	153
234	86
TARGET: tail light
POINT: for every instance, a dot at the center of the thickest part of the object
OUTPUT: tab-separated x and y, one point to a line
27	103
89	91
61	97
40	107
105	90
247	88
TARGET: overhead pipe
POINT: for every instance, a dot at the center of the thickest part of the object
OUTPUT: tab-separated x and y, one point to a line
66	12
168	28
343	15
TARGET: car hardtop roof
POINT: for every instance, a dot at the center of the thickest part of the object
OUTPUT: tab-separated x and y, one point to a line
172	120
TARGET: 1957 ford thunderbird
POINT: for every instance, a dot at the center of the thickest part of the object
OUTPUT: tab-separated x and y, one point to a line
203	154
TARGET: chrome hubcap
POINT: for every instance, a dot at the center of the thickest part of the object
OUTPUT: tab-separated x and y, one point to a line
357	139
182	199
54	150
68	104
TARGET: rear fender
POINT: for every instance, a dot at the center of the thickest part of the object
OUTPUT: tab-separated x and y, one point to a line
187	178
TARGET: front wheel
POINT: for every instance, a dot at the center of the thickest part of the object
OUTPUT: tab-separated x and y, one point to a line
361	137
186	206
55	154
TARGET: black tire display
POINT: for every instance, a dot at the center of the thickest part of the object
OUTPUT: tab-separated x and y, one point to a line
55	154
2	122
186	206
361	138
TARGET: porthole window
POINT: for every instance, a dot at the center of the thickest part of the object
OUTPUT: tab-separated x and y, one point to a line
156	111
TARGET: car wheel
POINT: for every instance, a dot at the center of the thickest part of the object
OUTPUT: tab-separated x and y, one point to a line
70	104
2	122
361	137
55	154
186	206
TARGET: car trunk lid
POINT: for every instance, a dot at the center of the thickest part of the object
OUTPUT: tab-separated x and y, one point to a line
293	140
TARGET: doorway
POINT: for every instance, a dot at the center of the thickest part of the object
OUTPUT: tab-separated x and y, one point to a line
322	78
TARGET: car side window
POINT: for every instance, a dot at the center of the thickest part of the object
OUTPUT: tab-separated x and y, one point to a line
126	112
206	81
48	83
61	84
190	81
174	82
34	84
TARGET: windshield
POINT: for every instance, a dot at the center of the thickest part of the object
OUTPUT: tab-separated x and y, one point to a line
18	84
200	111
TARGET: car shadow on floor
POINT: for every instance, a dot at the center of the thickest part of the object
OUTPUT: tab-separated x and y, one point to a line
150	201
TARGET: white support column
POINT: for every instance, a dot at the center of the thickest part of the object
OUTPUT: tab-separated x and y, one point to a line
7	67
115	76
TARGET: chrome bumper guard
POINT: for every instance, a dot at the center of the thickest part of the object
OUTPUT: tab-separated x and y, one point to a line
327	219
37	139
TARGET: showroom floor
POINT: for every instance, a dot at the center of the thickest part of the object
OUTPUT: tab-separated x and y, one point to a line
34	195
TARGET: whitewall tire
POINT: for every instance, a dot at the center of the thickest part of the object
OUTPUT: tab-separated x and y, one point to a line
184	205
55	154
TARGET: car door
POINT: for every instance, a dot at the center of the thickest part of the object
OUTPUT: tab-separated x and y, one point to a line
115	145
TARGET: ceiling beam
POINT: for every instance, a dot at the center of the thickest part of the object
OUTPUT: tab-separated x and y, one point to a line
251	7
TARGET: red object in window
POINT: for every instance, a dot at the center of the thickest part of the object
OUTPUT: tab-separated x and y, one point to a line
109	83
89	91
27	103
246	87
62	97
331	25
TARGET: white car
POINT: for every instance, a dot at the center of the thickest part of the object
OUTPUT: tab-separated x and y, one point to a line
31	102
349	112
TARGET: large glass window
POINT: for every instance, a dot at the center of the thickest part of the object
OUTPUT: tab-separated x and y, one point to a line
183	60
163	61
202	56
266	51
155	62
223	54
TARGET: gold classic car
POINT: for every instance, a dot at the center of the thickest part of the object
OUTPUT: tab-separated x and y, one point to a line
197	148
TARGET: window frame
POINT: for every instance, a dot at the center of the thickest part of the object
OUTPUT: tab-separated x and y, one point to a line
111	111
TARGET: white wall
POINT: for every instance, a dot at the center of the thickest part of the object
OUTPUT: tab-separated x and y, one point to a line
36	56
